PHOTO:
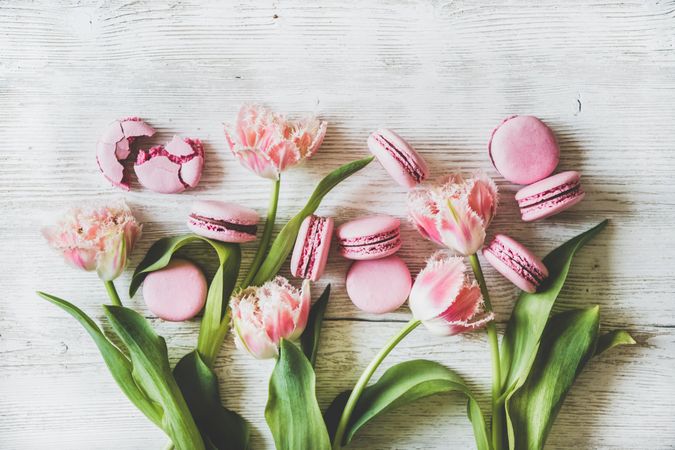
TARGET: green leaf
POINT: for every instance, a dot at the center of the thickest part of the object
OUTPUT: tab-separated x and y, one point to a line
292	411
161	252
612	339
402	384
119	365
567	343
222	428
531	312
152	373
283	244
213	326
310	337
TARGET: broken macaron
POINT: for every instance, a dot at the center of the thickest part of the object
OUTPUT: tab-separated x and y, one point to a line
114	146
171	168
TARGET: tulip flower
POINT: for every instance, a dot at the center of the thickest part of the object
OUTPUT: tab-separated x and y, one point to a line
455	212
443	298
267	143
96	238
264	315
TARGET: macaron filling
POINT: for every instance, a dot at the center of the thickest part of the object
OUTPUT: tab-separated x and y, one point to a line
313	241
368	244
404	160
516	262
550	197
223	225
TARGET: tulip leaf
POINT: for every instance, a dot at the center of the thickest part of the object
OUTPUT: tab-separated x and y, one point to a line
400	385
567	343
612	339
118	364
531	312
221	428
283	244
160	253
292	411
310	337
152	374
212	329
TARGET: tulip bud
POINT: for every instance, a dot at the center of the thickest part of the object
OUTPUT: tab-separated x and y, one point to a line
263	315
444	299
455	212
96	238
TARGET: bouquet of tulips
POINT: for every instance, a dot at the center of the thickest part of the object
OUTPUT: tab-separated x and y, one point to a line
540	354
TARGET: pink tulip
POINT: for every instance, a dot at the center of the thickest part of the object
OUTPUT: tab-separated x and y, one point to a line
455	212
267	143
263	315
96	238
444	299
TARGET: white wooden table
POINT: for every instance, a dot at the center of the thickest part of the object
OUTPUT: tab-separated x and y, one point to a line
442	73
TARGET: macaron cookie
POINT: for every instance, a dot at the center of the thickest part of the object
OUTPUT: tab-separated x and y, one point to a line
171	168
380	285
550	196
518	264
398	158
370	237
223	221
177	292
114	146
312	247
523	149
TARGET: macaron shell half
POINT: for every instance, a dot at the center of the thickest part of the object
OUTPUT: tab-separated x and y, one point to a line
523	149
114	146
369	237
312	247
379	286
160	174
511	262
398	158
226	212
176	292
171	168
550	196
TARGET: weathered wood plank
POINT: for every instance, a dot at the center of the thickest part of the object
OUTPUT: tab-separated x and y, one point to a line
443	73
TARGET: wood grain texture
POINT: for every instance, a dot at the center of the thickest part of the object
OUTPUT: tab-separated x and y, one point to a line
442	73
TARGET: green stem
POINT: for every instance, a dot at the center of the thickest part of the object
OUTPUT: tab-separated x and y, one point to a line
267	235
497	409
112	293
363	381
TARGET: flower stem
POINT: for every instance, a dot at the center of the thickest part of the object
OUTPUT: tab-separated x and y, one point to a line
497	410
365	377
267	235
112	293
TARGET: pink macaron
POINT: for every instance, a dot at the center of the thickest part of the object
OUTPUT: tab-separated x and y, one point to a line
171	168
518	264
550	196
398	158
312	247
114	146
523	149
176	292
370	237
380	285
227	222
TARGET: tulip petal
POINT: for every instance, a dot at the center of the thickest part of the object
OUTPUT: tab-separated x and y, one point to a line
436	286
258	163
110	263
483	198
254	341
